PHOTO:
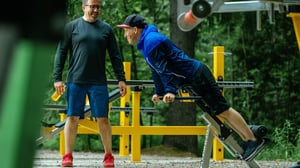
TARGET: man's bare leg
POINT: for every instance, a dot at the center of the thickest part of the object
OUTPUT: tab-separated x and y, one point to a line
238	124
106	136
252	145
70	132
105	133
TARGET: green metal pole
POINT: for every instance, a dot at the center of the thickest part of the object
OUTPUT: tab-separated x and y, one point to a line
21	110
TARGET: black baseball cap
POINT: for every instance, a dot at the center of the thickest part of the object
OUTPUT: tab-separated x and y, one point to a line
133	20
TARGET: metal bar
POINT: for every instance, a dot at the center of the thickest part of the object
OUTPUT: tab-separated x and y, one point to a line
235	84
228	141
258	20
207	149
113	109
114	95
188	98
136	138
159	130
124	117
285	2
57	107
150	83
252	6
242	6
144	83
129	109
49	135
59	127
220	127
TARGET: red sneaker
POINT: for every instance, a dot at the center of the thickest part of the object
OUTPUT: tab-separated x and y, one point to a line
67	160
108	160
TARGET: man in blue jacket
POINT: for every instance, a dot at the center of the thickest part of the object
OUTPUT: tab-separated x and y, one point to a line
171	69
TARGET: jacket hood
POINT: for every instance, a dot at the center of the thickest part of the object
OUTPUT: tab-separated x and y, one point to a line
150	38
147	30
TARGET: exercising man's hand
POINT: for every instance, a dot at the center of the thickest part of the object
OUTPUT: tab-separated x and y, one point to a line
156	98
169	97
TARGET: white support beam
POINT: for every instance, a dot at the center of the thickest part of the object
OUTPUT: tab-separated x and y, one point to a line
219	6
244	6
286	2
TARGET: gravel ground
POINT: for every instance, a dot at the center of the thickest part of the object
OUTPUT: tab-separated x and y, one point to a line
51	159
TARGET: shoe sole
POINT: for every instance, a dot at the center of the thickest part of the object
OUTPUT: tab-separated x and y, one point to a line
67	165
109	166
295	166
257	150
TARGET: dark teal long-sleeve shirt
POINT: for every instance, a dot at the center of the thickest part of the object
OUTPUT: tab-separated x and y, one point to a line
86	44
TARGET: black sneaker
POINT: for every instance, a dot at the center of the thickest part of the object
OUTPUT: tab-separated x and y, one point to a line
252	148
295	166
244	145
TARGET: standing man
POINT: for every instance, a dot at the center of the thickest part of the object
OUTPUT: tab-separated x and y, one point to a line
171	69
86	40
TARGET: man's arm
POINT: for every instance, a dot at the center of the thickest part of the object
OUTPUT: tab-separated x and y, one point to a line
115	57
61	54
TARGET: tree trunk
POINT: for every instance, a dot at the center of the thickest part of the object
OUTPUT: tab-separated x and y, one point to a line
182	113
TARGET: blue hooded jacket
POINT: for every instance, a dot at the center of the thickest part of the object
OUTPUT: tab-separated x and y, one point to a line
169	65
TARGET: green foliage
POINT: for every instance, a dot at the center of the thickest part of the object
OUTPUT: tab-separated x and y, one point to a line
50	118
281	147
273	71
52	144
74	9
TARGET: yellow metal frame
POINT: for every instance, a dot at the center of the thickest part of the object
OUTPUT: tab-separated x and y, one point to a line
124	118
218	148
296	22
135	130
62	148
89	126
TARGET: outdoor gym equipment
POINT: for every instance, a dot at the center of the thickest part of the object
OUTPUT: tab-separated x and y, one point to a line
216	128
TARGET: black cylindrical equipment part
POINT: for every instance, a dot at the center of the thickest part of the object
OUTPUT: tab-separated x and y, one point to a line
201	9
258	130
